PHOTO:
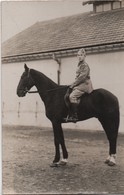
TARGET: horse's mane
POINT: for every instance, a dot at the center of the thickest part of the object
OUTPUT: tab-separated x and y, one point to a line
41	75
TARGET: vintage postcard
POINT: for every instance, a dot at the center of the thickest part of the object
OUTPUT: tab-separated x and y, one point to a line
62	65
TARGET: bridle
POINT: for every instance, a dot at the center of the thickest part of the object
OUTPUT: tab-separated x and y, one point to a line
28	91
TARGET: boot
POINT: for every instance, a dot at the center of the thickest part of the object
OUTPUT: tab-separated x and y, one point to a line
74	116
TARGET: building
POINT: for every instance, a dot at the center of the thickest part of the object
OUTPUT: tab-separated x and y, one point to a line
100	32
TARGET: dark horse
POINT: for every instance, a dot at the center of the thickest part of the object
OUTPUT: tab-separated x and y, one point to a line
100	104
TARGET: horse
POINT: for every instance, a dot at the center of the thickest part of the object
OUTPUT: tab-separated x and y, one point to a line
100	104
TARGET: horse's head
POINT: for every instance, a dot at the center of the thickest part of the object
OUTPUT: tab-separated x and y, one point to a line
25	83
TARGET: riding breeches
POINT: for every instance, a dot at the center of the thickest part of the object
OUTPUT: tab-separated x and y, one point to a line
75	96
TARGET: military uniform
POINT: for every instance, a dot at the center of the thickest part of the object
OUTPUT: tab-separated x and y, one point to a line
82	82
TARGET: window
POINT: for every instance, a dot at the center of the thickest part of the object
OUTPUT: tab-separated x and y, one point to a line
122	3
107	6
116	5
99	8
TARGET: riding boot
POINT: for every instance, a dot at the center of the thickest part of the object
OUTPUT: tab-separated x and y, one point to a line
74	116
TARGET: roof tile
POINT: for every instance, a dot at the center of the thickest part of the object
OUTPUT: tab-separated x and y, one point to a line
87	29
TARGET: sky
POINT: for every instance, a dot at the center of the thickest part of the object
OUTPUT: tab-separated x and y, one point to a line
19	15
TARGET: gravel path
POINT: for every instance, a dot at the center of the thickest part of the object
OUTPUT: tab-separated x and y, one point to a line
28	152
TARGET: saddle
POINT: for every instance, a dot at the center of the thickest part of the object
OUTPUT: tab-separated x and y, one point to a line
66	97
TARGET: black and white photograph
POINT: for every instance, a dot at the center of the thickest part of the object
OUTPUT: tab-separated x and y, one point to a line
62	97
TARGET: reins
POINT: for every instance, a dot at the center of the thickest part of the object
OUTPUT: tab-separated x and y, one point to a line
47	90
56	89
33	91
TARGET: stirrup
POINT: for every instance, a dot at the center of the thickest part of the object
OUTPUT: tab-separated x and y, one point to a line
66	119
71	119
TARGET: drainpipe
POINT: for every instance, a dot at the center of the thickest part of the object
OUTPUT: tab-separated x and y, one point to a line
59	67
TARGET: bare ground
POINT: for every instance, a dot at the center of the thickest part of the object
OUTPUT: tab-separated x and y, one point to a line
28	152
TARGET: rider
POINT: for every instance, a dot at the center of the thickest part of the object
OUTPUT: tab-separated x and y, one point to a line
81	85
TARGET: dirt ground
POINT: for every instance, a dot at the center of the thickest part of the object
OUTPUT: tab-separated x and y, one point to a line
28	152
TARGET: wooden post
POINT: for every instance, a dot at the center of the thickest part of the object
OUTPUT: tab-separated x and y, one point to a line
19	105
3	109
36	111
59	68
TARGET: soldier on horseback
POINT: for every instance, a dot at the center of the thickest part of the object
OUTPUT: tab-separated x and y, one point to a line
81	85
100	104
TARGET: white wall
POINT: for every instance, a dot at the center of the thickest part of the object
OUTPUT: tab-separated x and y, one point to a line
106	72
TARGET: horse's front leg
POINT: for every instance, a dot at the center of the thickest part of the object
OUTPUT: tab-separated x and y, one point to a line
57	150
64	150
57	145
58	140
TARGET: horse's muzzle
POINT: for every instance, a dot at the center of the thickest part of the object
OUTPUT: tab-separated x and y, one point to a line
21	93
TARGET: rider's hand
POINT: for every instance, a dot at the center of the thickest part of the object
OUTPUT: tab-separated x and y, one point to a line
71	86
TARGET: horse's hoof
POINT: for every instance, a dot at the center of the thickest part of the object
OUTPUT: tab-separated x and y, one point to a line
107	161
62	163
110	163
111	160
54	165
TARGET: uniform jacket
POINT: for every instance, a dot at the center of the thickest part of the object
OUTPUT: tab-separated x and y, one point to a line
82	80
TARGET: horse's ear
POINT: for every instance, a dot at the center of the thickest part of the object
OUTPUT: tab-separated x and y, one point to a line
26	68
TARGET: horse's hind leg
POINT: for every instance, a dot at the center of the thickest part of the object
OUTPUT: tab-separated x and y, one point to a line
111	160
111	128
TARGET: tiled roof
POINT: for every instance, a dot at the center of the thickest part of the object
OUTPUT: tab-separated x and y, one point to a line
82	30
97	1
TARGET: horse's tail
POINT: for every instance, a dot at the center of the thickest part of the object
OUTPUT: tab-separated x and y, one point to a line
117	113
